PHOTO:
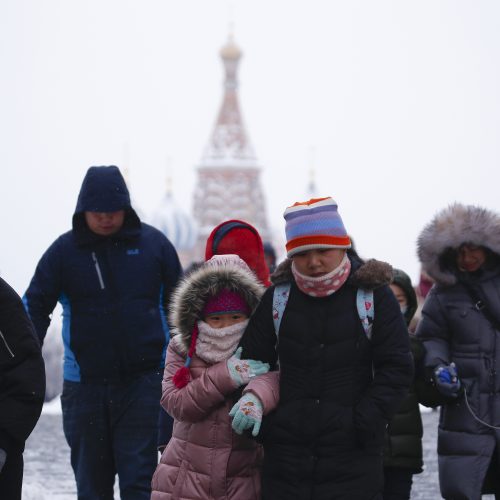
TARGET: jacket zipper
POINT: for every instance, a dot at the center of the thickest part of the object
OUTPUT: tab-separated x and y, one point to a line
98	270
7	345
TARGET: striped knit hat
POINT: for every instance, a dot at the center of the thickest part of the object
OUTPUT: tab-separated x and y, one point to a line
314	224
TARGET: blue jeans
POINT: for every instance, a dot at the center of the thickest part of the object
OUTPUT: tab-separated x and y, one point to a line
112	429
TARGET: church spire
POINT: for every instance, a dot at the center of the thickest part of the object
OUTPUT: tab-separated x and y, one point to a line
228	185
311	188
229	144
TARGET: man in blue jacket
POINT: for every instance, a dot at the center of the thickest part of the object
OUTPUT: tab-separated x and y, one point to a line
113	276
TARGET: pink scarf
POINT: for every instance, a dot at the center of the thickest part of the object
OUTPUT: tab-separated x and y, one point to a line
218	344
323	285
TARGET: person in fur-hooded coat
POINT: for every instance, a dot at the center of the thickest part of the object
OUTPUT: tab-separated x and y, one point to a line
205	459
460	328
338	389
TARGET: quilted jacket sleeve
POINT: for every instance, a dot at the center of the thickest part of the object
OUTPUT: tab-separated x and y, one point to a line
267	388
434	332
44	290
201	395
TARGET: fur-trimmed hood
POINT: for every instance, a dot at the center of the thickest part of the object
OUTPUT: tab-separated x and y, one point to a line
450	228
369	275
193	291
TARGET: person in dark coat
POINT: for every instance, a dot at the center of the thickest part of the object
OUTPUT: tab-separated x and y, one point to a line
22	388
460	328
270	255
113	276
403	441
338	388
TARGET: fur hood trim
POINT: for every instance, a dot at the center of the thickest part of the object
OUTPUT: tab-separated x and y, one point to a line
369	275
191	294
450	228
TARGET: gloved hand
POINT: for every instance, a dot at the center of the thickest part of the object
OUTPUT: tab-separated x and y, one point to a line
447	381
242	370
3	458
247	413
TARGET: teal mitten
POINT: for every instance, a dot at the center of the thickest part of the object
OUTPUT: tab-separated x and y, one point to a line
242	370
247	413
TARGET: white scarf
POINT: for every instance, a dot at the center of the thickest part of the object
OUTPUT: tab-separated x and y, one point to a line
218	344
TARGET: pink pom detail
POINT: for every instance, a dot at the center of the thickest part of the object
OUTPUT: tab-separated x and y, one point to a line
181	377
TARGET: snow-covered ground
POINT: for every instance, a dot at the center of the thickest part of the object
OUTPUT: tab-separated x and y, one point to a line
52	407
48	474
47	468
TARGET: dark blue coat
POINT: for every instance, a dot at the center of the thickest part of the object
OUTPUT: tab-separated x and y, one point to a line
113	290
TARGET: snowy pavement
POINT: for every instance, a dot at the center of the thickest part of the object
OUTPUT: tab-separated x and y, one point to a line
47	468
48	474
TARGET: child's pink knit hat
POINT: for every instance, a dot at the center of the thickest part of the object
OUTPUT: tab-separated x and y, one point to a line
226	301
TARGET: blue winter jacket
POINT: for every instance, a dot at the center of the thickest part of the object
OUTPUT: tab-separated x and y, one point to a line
113	290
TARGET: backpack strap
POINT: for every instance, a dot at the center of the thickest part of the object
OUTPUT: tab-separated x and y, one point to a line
366	310
364	303
280	299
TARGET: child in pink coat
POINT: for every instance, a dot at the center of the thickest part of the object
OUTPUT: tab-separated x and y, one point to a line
205	459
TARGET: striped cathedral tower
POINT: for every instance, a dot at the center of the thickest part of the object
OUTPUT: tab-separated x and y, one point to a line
228	183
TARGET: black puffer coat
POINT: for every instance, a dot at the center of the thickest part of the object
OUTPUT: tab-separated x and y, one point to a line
454	329
325	439
22	372
403	442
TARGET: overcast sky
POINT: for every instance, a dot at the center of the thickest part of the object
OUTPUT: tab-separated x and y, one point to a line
395	104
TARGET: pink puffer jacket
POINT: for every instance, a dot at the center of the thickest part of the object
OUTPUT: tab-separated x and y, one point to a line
205	459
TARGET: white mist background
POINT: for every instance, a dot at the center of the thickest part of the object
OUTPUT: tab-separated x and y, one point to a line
394	104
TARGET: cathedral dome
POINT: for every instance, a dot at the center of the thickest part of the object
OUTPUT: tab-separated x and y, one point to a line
178	226
230	50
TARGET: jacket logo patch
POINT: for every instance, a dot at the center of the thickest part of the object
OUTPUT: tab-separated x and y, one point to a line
133	251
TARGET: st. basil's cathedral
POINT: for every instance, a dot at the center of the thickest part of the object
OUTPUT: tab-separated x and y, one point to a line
228	184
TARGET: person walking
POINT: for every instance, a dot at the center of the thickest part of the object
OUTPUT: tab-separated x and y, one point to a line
22	388
241	238
403	456
205	459
460	327
113	276
342	374
235	237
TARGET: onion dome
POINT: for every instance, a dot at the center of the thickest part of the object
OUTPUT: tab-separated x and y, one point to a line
177	225
230	50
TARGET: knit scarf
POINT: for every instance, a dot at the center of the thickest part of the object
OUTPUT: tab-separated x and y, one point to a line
218	344
326	284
